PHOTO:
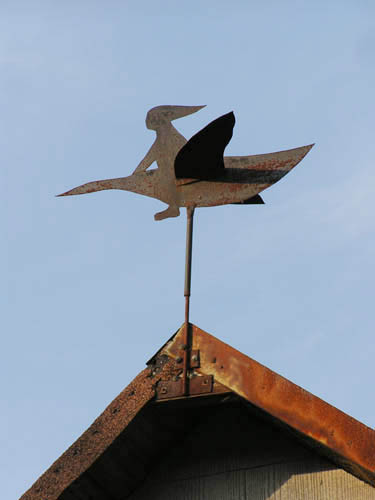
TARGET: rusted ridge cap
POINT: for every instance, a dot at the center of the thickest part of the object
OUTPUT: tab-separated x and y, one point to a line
288	403
95	440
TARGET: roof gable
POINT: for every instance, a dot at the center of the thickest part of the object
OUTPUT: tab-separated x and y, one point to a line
347	441
144	409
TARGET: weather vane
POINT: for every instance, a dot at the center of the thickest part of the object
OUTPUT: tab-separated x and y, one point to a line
196	173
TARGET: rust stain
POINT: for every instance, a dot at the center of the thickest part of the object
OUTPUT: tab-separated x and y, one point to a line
285	401
348	441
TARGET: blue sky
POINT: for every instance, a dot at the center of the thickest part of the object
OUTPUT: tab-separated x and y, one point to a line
93	286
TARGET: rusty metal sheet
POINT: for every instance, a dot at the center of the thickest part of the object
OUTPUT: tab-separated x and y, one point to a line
340	437
201	385
194	358
238	180
169	389
351	443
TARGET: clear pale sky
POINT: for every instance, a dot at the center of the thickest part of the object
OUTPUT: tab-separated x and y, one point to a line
93	286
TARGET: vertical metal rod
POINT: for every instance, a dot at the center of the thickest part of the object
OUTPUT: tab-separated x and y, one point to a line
188	257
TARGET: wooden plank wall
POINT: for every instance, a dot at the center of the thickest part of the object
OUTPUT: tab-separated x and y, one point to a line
234	456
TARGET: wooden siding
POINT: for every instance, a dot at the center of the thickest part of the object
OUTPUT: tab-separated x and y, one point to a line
232	455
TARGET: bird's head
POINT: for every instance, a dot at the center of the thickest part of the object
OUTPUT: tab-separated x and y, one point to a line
161	115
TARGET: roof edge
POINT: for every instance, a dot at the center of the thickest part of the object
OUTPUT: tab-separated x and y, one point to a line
99	436
341	438
330	428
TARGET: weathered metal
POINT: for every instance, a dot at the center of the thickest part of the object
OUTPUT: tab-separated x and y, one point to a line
170	389
222	369
187	289
186	382
239	181
344	439
194	358
188	256
196	174
199	385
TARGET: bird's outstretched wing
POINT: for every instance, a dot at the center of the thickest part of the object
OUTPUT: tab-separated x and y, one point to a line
202	156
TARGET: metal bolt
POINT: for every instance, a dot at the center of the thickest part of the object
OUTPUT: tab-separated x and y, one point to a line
205	381
164	390
179	359
194	358
183	347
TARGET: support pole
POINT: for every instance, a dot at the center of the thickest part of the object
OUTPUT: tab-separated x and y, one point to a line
187	333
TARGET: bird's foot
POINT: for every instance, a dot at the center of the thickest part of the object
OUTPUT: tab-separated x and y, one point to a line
171	211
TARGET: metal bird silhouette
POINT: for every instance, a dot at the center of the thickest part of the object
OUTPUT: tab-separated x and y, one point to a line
196	173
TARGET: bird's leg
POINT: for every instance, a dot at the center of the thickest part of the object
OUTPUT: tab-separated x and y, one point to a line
171	211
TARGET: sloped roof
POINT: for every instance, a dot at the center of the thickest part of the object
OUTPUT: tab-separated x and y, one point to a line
115	454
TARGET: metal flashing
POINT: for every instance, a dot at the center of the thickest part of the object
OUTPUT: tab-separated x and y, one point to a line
132	430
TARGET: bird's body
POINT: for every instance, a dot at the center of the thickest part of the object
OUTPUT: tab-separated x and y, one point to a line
183	180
